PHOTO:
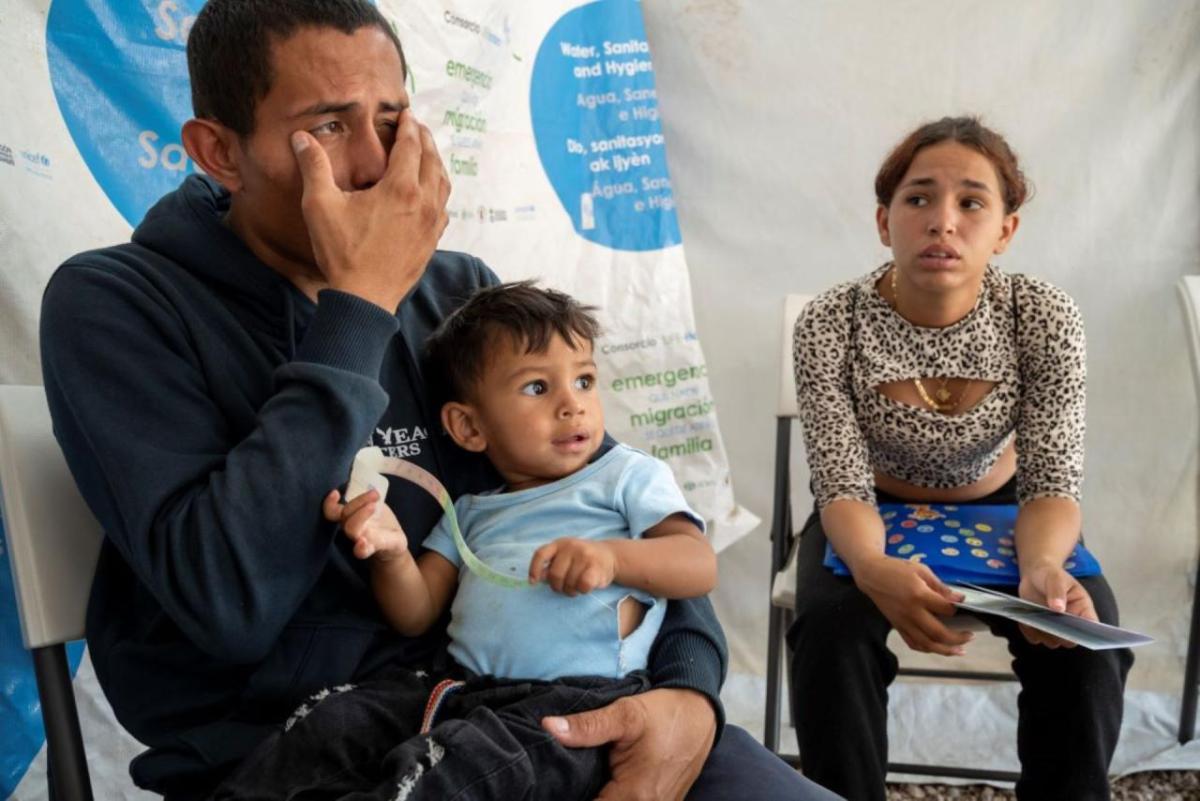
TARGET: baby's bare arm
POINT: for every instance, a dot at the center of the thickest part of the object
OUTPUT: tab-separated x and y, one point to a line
411	594
672	560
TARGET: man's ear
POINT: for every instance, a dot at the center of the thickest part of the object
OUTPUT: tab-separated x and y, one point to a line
215	149
460	422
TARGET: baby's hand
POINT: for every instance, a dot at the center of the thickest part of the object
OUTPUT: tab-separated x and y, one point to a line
369	523
573	566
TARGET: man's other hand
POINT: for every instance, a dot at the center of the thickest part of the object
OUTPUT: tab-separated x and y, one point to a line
660	740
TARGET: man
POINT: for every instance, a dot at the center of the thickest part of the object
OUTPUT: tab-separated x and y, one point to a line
211	380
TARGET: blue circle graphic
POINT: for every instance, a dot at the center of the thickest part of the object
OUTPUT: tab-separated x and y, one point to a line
595	122
119	73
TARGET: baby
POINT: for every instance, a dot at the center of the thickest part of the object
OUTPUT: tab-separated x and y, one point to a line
601	529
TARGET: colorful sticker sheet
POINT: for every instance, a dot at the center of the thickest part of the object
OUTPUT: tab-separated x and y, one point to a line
967	543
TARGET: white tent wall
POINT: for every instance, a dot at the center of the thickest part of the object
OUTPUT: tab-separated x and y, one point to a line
778	115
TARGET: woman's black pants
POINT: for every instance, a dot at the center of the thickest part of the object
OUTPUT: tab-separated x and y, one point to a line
1069	707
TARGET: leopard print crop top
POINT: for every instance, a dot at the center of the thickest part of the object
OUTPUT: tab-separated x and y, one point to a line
1023	334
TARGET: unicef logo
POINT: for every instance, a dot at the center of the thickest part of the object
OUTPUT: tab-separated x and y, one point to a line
119	72
595	122
35	159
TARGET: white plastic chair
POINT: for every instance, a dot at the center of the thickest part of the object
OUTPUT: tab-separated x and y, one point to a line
1189	297
783	568
53	544
783	571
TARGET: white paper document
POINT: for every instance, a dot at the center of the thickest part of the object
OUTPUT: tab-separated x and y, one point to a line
1088	633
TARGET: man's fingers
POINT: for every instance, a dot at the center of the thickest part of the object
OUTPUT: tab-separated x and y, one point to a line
404	159
433	177
315	169
432	172
624	719
443	219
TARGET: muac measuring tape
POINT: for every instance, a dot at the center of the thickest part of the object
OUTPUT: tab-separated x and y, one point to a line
369	471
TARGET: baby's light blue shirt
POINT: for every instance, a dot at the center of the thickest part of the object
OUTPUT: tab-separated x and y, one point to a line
534	632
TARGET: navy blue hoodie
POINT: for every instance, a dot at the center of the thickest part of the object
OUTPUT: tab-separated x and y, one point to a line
205	406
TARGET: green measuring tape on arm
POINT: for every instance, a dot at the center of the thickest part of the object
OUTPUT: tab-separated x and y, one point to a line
370	469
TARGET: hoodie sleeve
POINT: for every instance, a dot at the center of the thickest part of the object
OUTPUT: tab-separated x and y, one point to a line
690	652
224	528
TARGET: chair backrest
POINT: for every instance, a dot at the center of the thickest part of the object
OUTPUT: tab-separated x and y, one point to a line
53	539
783	559
1189	296
792	306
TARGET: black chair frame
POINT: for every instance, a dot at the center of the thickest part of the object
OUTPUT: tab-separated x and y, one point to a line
66	762
1189	298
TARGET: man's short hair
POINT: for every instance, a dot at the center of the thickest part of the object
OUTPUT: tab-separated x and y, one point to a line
528	315
229	49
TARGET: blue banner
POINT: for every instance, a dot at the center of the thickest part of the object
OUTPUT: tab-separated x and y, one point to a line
595	119
127	131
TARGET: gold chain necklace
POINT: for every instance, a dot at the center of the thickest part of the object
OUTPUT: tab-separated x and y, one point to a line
942	394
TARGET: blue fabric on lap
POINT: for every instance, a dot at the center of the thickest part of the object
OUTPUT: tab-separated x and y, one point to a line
968	543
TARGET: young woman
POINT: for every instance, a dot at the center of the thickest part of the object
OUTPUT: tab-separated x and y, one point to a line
939	378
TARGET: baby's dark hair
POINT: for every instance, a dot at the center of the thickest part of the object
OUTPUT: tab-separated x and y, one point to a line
528	315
